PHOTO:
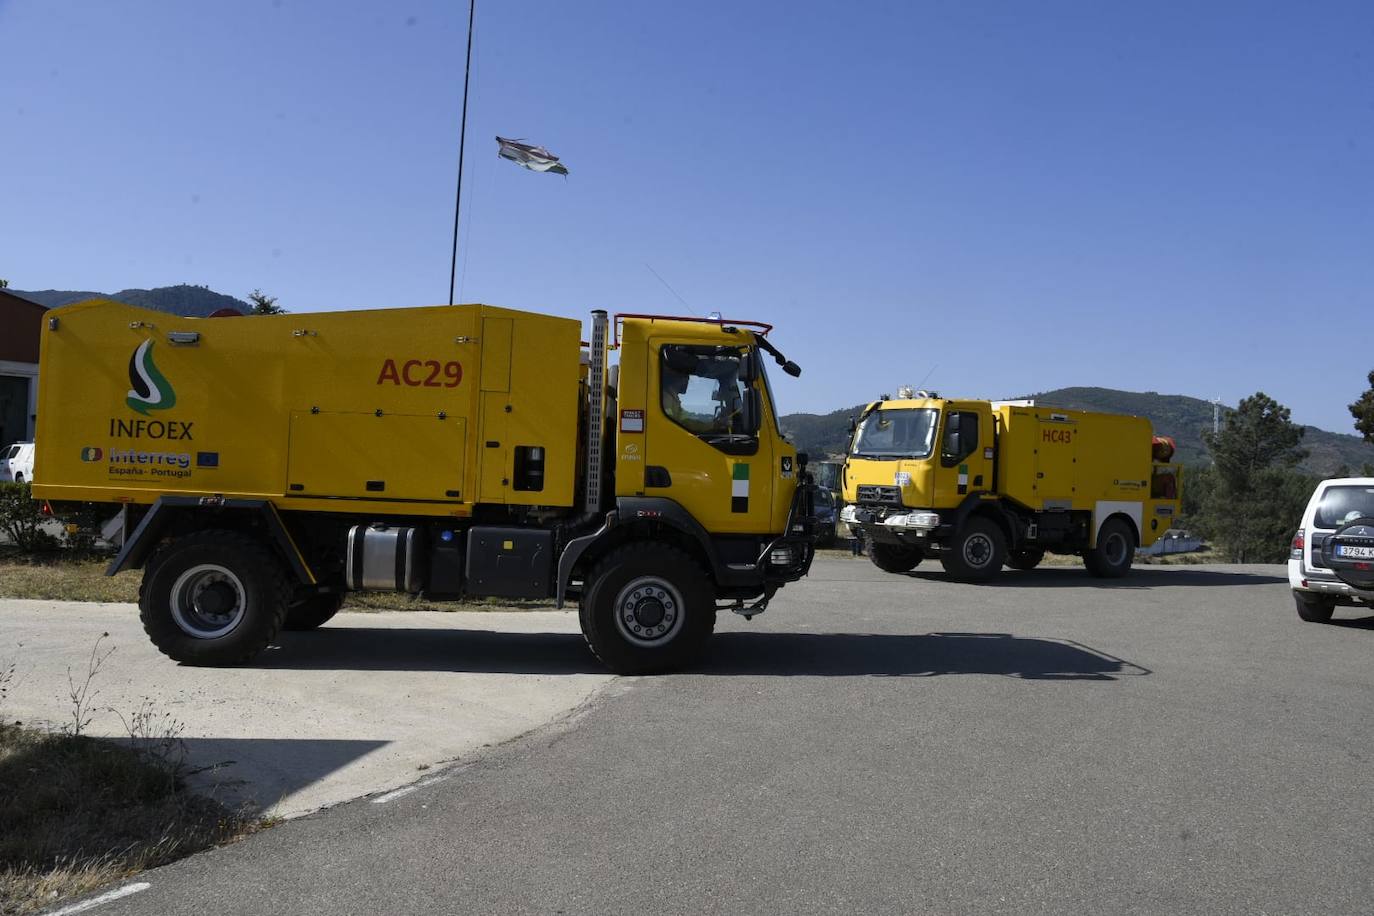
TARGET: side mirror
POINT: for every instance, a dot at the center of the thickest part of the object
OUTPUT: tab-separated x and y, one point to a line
791	368
853	426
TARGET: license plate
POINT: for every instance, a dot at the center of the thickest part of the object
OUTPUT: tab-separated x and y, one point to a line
1355	553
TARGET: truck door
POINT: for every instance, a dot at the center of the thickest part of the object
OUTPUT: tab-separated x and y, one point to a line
964	462
702	443
494	477
1056	457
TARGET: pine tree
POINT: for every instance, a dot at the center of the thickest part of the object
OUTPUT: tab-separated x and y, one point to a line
1257	497
1363	412
264	304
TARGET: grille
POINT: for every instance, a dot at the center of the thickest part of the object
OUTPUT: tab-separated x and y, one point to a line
884	496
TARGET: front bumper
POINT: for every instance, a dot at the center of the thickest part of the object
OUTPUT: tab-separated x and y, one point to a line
891	525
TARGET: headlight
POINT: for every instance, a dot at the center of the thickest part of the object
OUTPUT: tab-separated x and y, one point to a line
849	514
783	556
919	520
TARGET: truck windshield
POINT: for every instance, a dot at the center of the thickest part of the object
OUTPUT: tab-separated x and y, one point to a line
1340	505
903	433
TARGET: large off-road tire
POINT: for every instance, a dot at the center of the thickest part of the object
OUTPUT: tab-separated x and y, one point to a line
1111	558
213	598
1025	559
1314	608
313	612
647	608
976	552
895	558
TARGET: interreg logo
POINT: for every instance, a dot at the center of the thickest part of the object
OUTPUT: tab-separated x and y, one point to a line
151	390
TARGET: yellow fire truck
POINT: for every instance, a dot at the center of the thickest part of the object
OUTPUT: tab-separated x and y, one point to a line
979	484
266	465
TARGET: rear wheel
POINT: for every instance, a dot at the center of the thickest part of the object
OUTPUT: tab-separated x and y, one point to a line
313	612
1111	558
213	598
647	608
895	558
976	553
1025	559
1314	608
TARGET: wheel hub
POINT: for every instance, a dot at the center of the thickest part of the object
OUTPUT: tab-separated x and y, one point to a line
1115	549
648	611
977	550
208	601
216	599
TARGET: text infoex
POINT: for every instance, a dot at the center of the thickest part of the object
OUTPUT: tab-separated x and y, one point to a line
150	429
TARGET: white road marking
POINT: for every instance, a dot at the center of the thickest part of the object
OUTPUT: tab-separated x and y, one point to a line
84	905
406	790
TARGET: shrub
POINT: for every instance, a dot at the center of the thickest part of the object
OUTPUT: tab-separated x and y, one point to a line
21	519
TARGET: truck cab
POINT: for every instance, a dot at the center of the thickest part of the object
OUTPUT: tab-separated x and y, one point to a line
982	484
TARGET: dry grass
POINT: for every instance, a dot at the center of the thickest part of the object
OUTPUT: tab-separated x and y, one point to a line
60	578
77	813
399	601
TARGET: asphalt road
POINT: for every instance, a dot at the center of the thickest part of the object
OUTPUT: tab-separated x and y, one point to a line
1174	742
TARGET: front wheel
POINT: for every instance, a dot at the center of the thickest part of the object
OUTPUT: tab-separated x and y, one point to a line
213	598
647	608
976	553
1111	558
895	558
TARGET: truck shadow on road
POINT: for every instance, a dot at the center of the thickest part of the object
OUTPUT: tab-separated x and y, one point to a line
1140	577
924	655
734	653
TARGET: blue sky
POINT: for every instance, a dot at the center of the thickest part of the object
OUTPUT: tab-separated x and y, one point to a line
1010	197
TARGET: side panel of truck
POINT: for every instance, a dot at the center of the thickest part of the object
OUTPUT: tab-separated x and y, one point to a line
409	411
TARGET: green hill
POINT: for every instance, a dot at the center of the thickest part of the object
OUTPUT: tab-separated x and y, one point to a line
183	299
1179	416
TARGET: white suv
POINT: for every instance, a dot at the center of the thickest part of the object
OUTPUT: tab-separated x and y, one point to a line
1317	589
16	462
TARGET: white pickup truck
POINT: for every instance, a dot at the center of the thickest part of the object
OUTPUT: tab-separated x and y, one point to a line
16	462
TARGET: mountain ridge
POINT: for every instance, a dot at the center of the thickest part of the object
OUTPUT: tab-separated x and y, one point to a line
184	299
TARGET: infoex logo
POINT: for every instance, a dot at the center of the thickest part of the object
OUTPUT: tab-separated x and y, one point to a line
151	390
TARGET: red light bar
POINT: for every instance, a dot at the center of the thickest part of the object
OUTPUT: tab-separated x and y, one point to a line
723	322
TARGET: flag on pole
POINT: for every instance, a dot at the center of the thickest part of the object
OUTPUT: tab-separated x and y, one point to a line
534	158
